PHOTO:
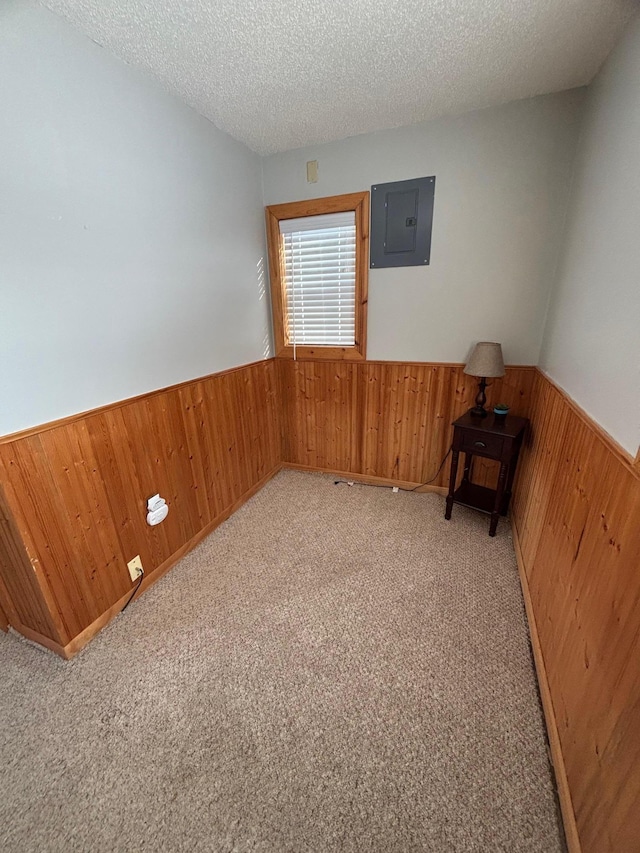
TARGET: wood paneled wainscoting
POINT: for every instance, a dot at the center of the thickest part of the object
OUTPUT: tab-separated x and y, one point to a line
73	498
73	493
72	513
576	516
385	421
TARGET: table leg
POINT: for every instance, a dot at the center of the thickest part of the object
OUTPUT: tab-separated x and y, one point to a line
502	481
506	500
468	459
452	483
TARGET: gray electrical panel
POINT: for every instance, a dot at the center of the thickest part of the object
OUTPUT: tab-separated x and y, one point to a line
401	222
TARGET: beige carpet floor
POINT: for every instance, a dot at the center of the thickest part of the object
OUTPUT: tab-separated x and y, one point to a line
334	669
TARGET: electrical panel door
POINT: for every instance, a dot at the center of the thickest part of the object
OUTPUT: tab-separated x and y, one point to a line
401	223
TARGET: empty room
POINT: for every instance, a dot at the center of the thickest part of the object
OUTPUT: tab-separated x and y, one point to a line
320	426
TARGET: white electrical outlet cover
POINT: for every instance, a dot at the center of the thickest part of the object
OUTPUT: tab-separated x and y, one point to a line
157	515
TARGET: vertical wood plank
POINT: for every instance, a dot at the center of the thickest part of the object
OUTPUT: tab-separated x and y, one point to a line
21	594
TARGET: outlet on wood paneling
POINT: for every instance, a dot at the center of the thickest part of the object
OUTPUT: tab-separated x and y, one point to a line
77	491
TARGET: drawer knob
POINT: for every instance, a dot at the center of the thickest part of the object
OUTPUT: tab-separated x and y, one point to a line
479	444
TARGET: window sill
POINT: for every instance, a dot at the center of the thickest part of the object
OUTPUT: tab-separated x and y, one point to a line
317	353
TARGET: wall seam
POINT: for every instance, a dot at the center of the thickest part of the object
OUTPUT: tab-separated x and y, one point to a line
563	227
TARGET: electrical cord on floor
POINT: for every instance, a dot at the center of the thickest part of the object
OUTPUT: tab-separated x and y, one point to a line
444	459
131	597
414	489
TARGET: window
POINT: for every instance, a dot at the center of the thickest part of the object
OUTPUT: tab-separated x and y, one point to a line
318	258
320	272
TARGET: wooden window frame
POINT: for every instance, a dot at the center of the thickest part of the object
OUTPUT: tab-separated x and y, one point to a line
359	203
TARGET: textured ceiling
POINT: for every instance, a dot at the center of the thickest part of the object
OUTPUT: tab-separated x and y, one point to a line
280	75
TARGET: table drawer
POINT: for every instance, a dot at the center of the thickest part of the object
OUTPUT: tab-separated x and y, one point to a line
482	445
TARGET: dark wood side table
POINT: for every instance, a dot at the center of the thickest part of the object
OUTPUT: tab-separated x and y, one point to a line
492	437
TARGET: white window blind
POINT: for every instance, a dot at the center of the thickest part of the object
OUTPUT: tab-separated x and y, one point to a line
320	279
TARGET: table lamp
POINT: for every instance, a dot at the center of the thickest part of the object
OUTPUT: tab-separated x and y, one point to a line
485	362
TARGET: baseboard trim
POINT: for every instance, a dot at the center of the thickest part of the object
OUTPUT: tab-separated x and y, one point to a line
80	641
367	479
40	640
557	758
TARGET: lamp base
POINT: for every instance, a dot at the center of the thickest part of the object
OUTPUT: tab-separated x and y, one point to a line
478	412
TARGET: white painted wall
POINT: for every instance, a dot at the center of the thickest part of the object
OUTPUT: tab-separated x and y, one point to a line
131	230
592	338
502	177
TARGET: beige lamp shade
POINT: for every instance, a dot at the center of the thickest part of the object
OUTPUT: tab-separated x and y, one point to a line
486	360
